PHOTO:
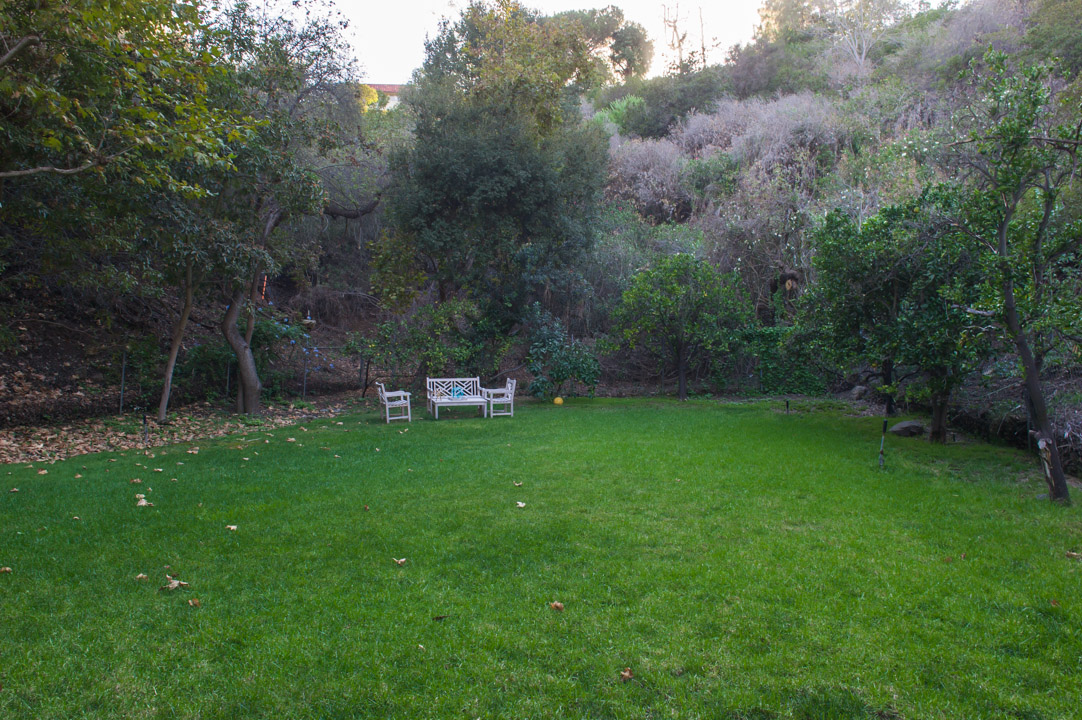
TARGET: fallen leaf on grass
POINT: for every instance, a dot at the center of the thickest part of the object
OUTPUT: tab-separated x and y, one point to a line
135	481
74	517
291	439
78	475
112	459
158	470
1055	603
14	490
400	561
4	570
142	501
194	602
1073	555
244	458
520	504
173	583
43	472
338	456
193	451
377	449
438	618
557	606
231	527
142	576
626	675
366	508
516	484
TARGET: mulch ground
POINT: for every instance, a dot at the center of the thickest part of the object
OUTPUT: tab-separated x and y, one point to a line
188	424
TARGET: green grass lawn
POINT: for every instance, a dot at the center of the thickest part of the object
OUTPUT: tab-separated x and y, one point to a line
743	563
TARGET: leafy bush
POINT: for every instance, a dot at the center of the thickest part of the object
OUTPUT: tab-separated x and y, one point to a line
440	339
781	364
617	112
556	358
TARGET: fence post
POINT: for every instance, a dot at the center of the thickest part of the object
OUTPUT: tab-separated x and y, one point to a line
304	385
123	379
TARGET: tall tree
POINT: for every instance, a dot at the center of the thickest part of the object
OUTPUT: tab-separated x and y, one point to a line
859	26
1019	155
498	191
285	72
624	46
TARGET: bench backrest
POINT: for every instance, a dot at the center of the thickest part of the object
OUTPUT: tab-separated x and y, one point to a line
453	387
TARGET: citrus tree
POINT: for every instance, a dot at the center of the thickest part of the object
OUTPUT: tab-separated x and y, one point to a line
683	312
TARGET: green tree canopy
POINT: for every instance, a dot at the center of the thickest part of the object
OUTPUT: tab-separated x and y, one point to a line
498	191
89	84
683	312
891	294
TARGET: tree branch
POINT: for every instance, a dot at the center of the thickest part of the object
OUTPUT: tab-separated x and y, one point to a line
337	211
49	169
974	311
19	47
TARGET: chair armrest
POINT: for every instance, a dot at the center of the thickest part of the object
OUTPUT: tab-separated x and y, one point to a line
396	394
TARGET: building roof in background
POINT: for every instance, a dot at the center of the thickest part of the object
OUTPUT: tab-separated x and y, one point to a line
386	89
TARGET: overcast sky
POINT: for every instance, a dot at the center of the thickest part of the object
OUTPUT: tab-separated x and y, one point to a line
388	35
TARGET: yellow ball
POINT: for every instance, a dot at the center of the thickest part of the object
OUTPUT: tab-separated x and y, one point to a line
558	401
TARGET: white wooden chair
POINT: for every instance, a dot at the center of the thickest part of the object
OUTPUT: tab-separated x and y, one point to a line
504	397
396	399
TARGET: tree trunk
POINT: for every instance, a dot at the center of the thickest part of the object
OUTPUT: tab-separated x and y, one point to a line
682	370
249	331
174	347
938	433
250	386
1046	441
888	378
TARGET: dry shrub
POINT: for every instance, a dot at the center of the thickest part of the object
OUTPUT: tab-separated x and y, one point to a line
649	174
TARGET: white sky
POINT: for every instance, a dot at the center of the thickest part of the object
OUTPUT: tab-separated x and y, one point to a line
388	35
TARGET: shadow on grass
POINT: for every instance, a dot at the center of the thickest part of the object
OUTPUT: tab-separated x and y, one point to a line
819	704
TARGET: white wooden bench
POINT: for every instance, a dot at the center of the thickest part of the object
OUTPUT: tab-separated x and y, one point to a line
397	399
443	392
503	397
